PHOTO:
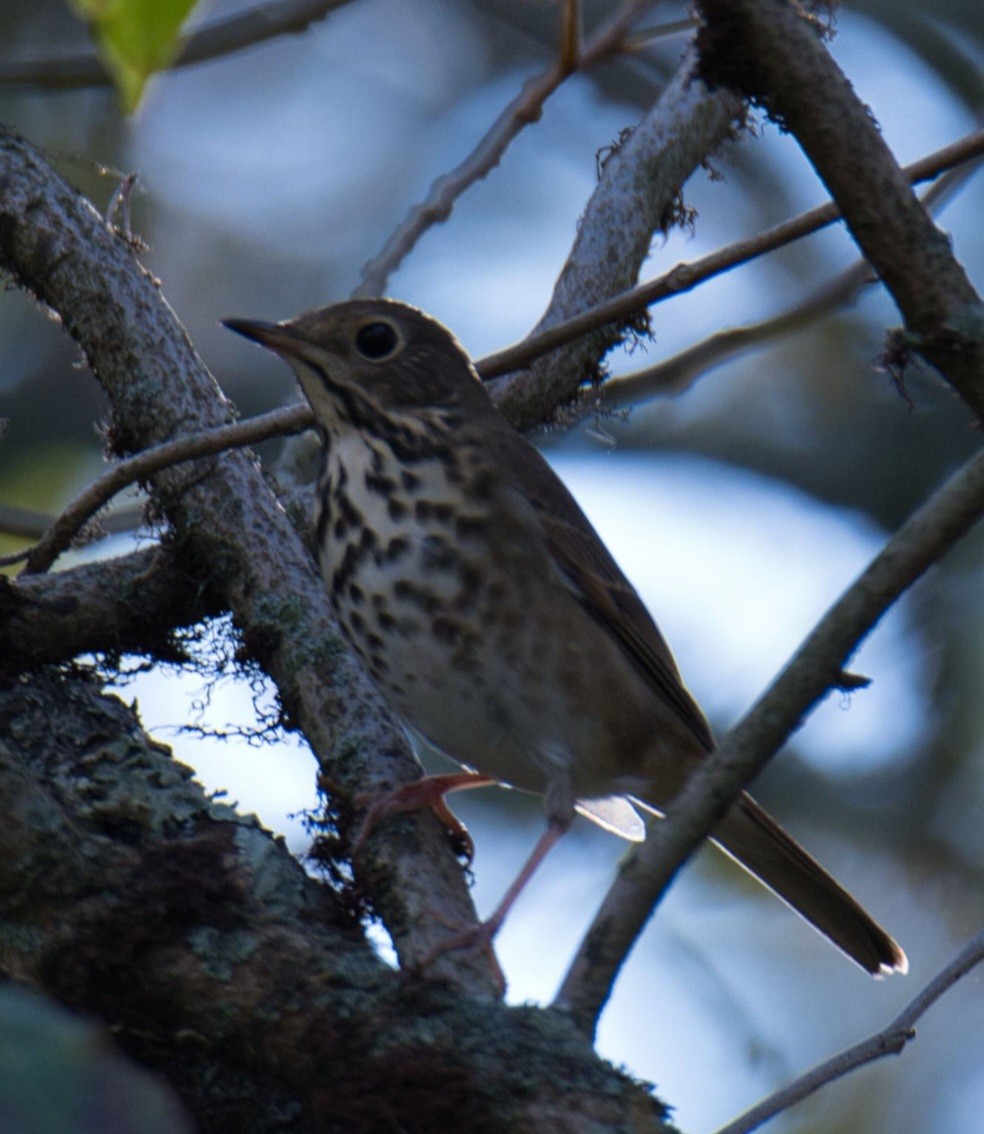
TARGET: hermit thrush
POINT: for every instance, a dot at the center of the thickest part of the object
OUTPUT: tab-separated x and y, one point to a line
489	612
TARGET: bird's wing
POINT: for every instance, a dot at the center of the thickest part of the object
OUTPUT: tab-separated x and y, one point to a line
596	579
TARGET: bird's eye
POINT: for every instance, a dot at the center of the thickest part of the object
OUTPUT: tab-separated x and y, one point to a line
376	340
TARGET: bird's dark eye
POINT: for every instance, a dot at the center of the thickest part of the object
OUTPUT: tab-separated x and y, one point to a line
376	340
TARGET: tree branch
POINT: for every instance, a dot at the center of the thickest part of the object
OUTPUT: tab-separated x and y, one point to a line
635	195
676	374
686	276
889	1041
126	605
771	54
815	669
128	894
229	527
59	536
523	111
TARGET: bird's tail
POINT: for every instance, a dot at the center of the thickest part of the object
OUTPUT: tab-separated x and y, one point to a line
763	848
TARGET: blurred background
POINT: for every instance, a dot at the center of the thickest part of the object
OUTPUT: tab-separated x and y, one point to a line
740	509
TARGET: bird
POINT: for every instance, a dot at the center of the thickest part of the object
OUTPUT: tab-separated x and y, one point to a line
491	615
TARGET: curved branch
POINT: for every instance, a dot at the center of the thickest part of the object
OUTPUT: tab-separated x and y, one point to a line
815	669
889	1041
772	54
59	536
228	526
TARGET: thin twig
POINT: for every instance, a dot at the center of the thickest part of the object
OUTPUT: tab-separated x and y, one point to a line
890	1041
70	522
678	373
569	52
222	37
815	669
521	112
686	276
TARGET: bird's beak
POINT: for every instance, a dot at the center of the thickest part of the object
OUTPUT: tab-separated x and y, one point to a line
275	336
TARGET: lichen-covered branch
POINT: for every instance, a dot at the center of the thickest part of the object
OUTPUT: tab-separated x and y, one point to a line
130	896
635	195
227	527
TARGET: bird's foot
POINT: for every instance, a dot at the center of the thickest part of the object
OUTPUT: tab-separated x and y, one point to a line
427	792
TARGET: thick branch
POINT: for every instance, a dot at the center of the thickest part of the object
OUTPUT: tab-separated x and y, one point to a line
126	605
815	669
229	527
770	53
639	184
127	893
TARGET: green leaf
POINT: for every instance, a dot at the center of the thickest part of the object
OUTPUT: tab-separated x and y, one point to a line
135	38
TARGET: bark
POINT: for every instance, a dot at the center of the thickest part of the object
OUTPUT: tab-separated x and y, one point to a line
128	894
228	529
769	52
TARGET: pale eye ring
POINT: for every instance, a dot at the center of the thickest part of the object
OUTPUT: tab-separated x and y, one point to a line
377	340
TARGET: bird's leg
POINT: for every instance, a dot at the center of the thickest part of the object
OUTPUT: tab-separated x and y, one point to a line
426	792
560	816
480	936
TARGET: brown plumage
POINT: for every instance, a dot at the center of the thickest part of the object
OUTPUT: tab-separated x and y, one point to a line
490	613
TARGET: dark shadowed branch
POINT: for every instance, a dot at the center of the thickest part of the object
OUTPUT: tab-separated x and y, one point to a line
219	961
770	53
